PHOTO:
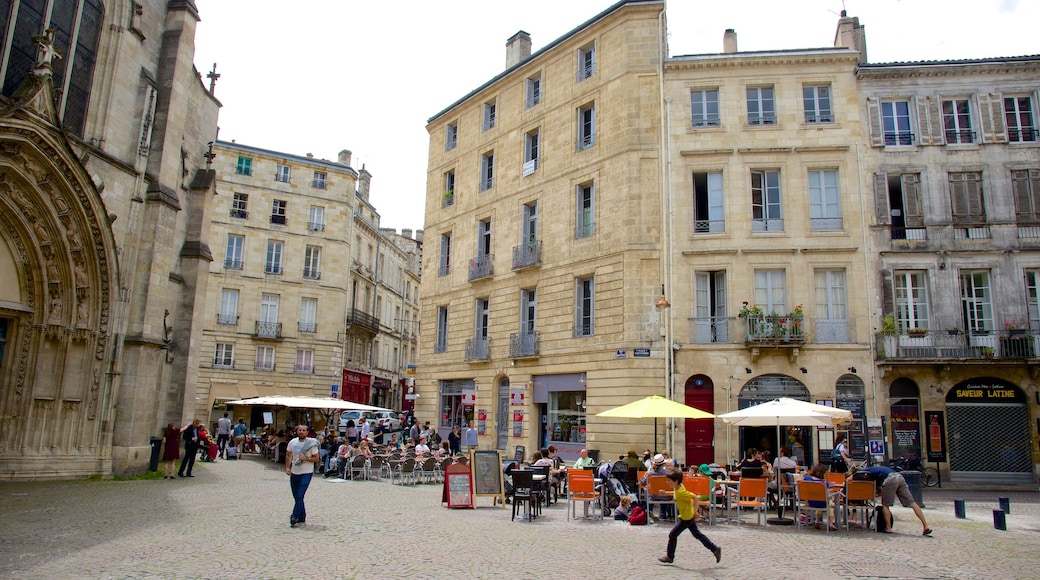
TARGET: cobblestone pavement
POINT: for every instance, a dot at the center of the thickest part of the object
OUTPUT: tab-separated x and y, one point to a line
231	521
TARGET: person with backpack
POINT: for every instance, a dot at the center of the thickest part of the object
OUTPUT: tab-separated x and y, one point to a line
684	503
840	456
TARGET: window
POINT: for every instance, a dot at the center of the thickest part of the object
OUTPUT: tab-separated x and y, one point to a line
269	307
966	198
281	173
319	180
898	200
451	136
704	105
832	313
309	315
911	298
304	361
587	126
765	202
442	329
278	212
478	348
239	203
489	115
273	261
244	165
224	355
708	214
1033	298
824	205
957	121
316	219
228	306
444	265
533	90
72	21
530	152
528	311
710	321
584	302
312	263
1018	114
233	256
895	122
585	224
264	358
1025	183
530	222
977	301
487	171
484	237
586	61
771	291
761	109
816	100
449	188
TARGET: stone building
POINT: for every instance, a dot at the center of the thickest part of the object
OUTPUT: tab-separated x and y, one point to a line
306	289
103	258
954	163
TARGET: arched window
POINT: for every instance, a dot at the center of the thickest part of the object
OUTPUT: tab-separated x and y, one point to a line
77	31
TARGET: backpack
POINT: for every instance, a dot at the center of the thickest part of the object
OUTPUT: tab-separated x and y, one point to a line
231	452
836	453
879	520
637	517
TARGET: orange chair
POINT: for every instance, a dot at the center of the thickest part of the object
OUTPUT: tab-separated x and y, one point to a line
860	495
837	479
751	494
582	488
815	491
700	486
658	485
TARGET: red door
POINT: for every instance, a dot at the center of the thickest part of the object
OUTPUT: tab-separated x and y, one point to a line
700	433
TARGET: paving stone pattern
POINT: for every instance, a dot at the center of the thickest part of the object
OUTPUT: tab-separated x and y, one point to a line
232	521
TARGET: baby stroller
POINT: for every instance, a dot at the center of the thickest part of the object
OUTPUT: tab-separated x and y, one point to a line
614	486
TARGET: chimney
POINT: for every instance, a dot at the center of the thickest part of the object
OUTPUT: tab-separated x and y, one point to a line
406	233
518	47
851	34
364	182
344	157
419	235
729	41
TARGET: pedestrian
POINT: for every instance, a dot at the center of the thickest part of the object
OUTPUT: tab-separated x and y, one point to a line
840	455
366	429
455	440
684	502
413	432
190	435
892	485
239	434
223	433
471	437
172	450
300	456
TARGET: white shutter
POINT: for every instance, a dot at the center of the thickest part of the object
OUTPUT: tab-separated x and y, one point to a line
912	214
877	136
716	209
991	113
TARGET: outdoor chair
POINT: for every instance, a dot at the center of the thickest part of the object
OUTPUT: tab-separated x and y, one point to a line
582	489
656	485
405	470
815	491
751	494
524	496
358	466
859	495
700	486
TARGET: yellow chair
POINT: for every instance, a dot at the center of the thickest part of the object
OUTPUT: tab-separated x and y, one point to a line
815	491
582	488
751	494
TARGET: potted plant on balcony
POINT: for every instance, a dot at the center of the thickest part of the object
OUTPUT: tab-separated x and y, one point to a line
917	332
988	351
1014	328
889	331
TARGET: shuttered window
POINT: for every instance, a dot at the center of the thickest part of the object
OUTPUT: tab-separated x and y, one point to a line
1026	187
966	198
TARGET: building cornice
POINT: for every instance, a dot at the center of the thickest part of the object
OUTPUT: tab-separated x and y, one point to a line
774	58
907	70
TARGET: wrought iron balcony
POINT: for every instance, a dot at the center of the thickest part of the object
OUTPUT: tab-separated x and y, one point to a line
239	213
527	255
311	274
228	319
481	267
774	329
523	344
959	345
363	320
315	227
899	138
478	349
232	264
310	327
272	330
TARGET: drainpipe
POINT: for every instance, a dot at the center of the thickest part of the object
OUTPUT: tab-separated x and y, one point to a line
866	281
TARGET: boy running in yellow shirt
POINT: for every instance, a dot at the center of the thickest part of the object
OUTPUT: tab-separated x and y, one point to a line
684	503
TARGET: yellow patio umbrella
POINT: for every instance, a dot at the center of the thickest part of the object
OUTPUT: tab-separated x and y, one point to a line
656	406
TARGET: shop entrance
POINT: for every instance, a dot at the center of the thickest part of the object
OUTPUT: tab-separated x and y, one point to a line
988	432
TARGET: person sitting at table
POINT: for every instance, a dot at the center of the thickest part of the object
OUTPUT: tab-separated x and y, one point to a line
584	461
365	448
647	458
752	464
633	460
422	449
783	465
704	470
657	467
394	443
766	458
819	473
541	459
443	451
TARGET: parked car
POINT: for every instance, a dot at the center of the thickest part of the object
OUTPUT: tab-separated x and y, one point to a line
356	417
389	420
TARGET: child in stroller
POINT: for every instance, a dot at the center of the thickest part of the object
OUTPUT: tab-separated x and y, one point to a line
614	486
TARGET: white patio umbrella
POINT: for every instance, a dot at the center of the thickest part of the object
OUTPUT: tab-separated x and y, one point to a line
785	411
325	405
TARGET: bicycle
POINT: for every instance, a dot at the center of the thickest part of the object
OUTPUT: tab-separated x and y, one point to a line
929	475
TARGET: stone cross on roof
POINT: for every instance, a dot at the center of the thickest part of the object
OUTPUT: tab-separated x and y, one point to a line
212	76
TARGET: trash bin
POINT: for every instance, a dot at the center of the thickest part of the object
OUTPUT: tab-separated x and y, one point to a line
594	454
153	463
913	481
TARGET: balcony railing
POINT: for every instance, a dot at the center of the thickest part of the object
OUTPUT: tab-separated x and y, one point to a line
899	138
960	137
478	349
268	329
709	226
774	329
481	267
232	264
523	344
239	213
311	274
315	227
308	327
363	320
278	219
1022	134
527	255
228	319
263	366
275	269
304	369
956	344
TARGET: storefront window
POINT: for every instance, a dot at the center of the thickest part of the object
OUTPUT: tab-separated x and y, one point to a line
567	416
452	412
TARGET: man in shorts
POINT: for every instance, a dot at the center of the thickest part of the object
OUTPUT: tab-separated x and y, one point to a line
891	485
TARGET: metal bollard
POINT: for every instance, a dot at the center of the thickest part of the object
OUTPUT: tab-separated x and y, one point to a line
958	509
1005	504
999	521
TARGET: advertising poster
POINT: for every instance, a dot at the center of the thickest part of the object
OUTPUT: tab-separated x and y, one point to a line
482	422
935	429
518	423
906	432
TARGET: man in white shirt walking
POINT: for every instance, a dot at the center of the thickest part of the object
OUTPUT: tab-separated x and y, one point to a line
300	456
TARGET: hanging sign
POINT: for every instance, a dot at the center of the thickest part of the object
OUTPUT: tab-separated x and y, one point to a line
516	397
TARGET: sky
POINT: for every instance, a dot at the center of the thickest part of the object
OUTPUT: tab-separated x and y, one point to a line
319	76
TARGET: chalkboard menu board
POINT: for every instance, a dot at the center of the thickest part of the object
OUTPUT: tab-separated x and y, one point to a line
458	486
487	474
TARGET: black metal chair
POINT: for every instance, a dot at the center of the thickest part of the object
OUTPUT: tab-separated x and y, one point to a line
524	493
